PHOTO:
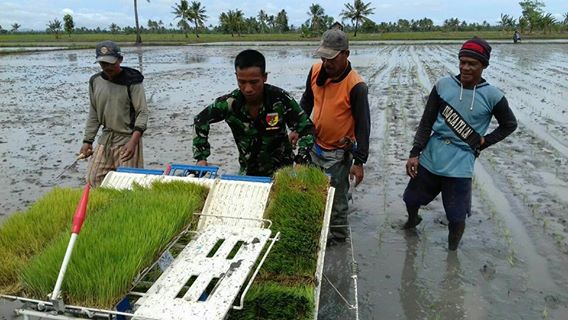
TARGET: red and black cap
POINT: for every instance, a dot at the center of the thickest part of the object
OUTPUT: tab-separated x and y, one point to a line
476	48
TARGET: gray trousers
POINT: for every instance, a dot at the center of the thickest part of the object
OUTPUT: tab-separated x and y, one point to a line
337	164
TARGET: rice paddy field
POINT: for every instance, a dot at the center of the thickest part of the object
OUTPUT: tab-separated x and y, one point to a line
512	260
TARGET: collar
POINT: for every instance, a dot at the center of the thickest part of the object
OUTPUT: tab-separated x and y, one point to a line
482	82
323	76
239	104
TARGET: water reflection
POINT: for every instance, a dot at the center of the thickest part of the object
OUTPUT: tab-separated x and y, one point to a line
451	302
418	302
337	268
140	55
192	58
413	295
72	57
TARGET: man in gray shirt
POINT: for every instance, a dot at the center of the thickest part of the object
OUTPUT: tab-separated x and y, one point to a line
118	104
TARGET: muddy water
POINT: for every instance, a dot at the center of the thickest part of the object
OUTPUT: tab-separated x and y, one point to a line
514	252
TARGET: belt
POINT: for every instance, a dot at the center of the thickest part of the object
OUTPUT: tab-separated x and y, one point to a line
325	149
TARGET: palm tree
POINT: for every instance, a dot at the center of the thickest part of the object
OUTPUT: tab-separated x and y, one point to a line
114	28
262	18
316	14
232	21
357	13
566	18
181	10
196	13
547	22
138	38
507	22
425	24
224	23
238	20
523	23
15	27
281	21
55	27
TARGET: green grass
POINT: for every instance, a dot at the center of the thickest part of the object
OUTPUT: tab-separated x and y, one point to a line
89	40
284	287
82	40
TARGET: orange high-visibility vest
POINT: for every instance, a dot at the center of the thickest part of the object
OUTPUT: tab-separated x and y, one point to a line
332	115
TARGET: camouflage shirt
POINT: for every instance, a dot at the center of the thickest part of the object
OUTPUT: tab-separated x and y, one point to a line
262	142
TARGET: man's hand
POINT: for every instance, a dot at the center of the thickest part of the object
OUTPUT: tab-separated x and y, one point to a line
128	151
293	136
86	150
357	173
202	163
412	167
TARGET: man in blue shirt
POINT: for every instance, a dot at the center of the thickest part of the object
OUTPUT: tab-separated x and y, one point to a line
451	135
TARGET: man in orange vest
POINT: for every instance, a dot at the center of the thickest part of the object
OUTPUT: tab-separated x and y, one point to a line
336	98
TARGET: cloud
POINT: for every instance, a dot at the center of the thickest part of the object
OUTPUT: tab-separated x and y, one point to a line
67	11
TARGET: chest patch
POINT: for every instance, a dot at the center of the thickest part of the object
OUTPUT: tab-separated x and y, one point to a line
272	120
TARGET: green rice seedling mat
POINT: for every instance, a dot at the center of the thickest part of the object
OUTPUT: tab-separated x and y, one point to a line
285	286
124	232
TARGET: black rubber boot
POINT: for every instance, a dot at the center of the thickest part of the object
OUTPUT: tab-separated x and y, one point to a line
455	234
414	218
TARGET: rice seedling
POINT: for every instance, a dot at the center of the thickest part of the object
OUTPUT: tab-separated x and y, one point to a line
116	242
296	208
27	233
274	300
284	287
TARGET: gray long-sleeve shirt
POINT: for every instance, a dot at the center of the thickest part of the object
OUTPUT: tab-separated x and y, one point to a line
113	108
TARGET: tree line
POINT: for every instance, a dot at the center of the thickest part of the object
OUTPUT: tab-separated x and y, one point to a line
192	17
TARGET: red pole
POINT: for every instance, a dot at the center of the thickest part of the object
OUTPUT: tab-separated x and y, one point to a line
78	219
81	211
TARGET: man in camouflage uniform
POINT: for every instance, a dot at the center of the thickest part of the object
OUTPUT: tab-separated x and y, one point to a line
257	114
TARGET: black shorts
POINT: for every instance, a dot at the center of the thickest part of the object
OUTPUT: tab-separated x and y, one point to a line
456	193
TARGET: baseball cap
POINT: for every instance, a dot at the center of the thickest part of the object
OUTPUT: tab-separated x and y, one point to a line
332	43
108	51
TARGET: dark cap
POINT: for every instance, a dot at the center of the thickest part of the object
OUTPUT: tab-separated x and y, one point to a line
476	48
332	43
108	51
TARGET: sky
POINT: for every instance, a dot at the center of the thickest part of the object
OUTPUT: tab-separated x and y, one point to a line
35	15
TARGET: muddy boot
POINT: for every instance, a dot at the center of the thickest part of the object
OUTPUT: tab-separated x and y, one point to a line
455	234
413	218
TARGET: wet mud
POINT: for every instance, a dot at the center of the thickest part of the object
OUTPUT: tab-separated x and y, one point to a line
511	263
